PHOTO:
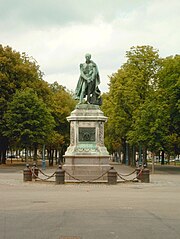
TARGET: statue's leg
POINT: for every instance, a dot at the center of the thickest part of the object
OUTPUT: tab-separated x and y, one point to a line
82	92
89	92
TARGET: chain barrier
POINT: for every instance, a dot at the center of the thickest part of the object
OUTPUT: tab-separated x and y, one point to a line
126	175
42	179
121	176
130	180
87	181
46	174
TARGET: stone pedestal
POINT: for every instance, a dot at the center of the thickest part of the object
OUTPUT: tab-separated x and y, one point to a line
86	158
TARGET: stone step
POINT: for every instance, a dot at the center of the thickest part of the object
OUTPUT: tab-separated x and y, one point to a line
88	173
86	177
89	169
87	161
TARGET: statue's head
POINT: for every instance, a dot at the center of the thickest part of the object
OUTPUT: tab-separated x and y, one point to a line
88	57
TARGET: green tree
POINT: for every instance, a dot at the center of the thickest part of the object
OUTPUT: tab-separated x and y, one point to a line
156	121
169	90
135	81
54	146
17	71
28	121
61	105
150	124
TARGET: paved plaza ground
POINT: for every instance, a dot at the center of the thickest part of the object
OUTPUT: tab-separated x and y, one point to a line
39	210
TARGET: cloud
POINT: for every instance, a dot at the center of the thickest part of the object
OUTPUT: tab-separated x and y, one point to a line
58	33
39	13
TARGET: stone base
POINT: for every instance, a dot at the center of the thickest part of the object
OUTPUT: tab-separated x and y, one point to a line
86	168
86	158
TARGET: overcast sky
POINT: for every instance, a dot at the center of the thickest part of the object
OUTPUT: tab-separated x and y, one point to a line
58	33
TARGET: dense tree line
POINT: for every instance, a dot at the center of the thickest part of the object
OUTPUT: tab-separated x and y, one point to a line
143	105
32	112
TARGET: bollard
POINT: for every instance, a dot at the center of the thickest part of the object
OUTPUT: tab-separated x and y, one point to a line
35	171
145	176
112	176
60	175
138	173
27	174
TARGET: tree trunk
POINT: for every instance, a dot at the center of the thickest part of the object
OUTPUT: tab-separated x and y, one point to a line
35	152
3	156
56	156
119	152
123	151
61	153
140	155
168	157
26	154
162	157
144	156
153	159
3	149
51	157
133	156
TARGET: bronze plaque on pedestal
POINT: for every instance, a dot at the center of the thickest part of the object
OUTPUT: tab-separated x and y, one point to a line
87	134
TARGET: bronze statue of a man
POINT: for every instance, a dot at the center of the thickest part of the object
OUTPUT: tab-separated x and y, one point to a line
88	82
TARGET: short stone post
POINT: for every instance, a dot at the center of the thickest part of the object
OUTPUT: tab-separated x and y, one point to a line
138	173
112	176
145	176
27	174
35	171
60	175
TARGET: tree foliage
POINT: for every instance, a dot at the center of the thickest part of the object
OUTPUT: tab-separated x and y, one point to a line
129	88
17	71
169	90
62	103
142	104
28	121
29	105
